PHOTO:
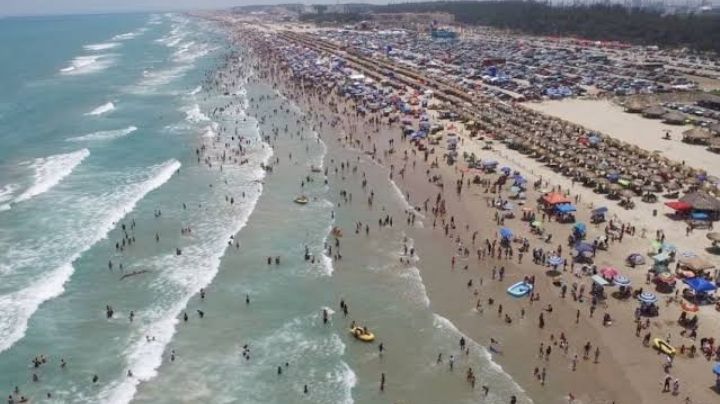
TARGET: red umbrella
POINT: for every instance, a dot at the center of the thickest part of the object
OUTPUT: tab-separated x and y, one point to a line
609	272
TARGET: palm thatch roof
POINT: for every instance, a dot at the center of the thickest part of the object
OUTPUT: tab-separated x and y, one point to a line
701	200
674	118
696	135
654	111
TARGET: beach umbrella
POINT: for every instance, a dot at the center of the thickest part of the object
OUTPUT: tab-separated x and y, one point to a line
514	189
556	261
539	224
690	307
583	247
636	258
714	236
621	280
506	233
609	272
648	297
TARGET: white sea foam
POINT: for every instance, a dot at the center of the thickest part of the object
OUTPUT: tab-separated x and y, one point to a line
102	109
210	131
446	326
103	135
101	46
190	272
49	171
195	90
17	307
88	64
125	36
407	205
6	195
195	115
152	79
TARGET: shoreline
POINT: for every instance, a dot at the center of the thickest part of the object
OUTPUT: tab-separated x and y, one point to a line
608	374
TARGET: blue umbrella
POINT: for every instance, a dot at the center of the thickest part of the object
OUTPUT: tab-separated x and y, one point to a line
716	369
506	233
508	206
648	297
621	280
579	227
555	260
583	247
506	170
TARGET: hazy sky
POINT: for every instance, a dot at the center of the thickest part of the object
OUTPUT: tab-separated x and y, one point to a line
41	7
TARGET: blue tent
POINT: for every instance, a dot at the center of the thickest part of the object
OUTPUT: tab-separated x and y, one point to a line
506	233
583	247
700	285
565	208
700	216
579	227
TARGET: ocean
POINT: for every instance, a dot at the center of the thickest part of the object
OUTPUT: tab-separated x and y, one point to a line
129	179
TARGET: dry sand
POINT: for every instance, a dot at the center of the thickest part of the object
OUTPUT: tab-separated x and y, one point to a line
609	118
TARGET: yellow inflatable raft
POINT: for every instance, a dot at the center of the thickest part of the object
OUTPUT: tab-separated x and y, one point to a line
663	346
362	334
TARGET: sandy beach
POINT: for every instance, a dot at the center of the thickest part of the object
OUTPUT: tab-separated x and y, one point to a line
626	371
609	118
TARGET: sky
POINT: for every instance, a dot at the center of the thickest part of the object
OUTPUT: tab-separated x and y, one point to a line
49	7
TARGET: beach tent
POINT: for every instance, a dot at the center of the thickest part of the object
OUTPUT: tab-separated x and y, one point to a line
506	233
555	198
565	208
700	285
696	264
662	257
648	297
679	206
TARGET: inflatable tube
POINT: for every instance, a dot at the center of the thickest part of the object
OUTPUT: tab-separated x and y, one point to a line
663	347
519	289
301	200
360	334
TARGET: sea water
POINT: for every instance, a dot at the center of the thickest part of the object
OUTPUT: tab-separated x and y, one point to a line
100	117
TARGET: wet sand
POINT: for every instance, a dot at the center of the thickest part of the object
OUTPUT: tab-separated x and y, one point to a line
626	371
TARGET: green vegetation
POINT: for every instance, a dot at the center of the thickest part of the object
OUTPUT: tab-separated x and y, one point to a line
596	22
